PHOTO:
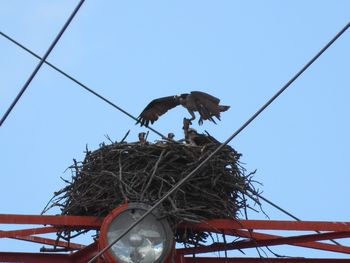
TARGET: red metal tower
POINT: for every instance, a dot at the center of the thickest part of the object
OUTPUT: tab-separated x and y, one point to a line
243	228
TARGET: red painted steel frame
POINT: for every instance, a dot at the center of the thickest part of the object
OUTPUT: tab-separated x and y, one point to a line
240	228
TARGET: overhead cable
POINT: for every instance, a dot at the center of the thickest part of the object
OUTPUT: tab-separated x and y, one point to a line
77	82
31	77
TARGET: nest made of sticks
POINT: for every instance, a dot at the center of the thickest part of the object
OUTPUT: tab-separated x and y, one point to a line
143	172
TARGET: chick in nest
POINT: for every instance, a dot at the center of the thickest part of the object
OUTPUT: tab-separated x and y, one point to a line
199	139
143	138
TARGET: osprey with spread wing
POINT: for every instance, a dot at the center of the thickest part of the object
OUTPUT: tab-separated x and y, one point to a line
206	105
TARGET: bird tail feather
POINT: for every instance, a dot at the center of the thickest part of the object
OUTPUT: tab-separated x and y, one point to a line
223	108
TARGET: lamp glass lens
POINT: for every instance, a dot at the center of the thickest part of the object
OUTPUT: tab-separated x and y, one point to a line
145	243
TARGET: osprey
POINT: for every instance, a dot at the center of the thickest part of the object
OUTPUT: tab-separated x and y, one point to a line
206	105
199	139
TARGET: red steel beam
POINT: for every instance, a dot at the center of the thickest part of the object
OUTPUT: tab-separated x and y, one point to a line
49	241
219	225
260	260
34	257
26	235
229	224
315	245
81	256
27	232
71	221
85	254
295	239
210	225
264	242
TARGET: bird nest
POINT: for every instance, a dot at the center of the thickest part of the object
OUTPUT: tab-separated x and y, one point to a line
142	172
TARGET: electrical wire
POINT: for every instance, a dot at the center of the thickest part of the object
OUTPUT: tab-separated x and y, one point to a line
256	114
78	82
31	77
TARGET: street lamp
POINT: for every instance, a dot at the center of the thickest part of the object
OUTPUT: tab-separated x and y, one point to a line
151	241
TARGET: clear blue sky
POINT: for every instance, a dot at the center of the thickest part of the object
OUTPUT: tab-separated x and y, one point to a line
133	52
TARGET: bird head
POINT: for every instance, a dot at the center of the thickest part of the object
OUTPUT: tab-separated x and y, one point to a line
181	97
142	136
171	135
192	131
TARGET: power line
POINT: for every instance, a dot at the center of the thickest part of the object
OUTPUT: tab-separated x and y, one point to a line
53	44
257	113
77	82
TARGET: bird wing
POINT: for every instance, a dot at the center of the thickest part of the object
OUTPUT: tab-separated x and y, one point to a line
199	95
155	109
